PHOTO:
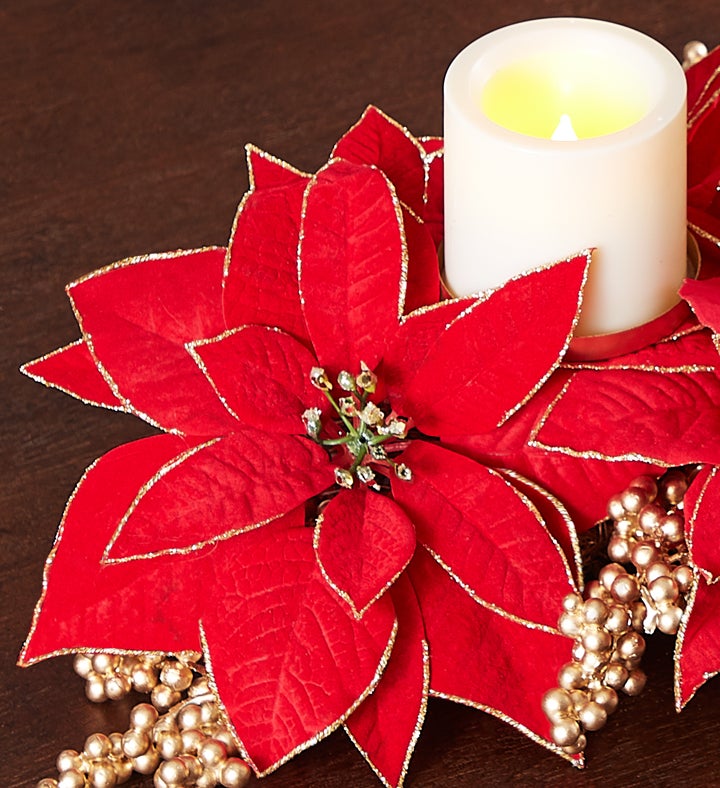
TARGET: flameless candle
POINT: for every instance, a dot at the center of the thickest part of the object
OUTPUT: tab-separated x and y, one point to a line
563	134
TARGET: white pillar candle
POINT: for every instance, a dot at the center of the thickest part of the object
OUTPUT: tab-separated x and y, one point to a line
563	134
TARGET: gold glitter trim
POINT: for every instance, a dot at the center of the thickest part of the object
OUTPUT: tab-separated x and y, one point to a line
534	443
710	579
483	603
344	595
698	112
416	731
578	761
195	546
231	241
39	379
690	368
704	234
679	644
127	403
320	734
577	576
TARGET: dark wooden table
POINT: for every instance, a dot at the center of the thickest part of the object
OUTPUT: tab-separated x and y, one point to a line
122	127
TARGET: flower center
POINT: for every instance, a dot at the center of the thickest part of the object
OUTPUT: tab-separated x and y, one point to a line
364	432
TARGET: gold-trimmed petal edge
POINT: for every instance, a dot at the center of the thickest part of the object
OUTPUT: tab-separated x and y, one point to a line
320	734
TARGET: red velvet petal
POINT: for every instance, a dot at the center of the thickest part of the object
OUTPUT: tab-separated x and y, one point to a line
423	284
261	280
702	504
704	297
583	484
669	419
137	316
378	140
479	368
701	79
263	375
351	266
148	606
221	488
72	369
363	542
698	657
386	726
267	171
484	660
484	533
289	659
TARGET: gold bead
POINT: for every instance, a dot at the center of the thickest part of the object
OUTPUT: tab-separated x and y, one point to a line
102	775
209	712
594	590
163	697
617	621
672	528
693	52
619	549
143	716
176	676
104	663
565	732
608	573
673	486
95	688
644	554
638	612
97	745
615	508
200	686
556	703
579	746
135	742
168	744
684	577
117	686
124	769
616	675
592	716
192	738
647	484
606	697
635	683
663	589
569	624
578	651
71	778
47	782
631	645
595	611
225	736
626	527
570	676
650	516
212	752
235	774
173	771
625	588
669	619
657	569
68	759
158	782
189	716
592	661
596	639
633	499
208	779
144	678
147	762
193	765
82	664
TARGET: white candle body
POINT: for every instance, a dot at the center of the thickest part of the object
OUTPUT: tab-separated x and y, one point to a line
514	202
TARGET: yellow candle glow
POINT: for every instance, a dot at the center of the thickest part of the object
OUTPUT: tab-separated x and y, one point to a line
563	134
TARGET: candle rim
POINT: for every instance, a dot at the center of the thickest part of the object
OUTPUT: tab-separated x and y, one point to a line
458	87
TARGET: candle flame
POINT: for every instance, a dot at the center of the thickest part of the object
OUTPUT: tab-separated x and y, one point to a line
564	132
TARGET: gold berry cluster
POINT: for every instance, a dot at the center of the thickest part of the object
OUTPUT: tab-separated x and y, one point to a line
643	589
180	737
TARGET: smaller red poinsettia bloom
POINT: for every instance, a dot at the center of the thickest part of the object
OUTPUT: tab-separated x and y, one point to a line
307	375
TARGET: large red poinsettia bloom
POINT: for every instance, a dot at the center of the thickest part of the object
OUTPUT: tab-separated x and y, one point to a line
301	518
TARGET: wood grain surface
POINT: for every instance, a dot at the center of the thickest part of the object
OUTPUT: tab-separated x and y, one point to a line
122	126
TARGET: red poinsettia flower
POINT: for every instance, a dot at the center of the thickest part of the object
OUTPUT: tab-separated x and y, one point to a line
301	519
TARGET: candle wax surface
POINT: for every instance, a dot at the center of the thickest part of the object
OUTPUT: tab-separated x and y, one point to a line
599	95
